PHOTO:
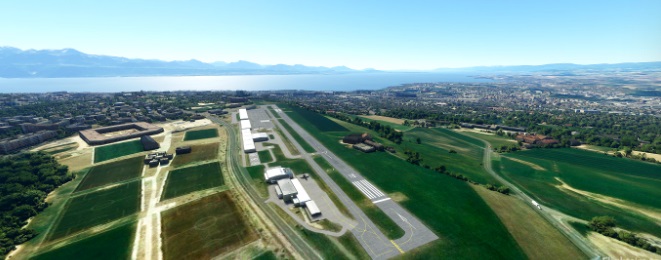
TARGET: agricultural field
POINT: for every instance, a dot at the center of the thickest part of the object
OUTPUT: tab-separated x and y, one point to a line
476	230
214	224
60	148
112	151
200	152
495	140
91	209
201	134
537	237
395	123
190	179
104	174
435	147
585	184
112	244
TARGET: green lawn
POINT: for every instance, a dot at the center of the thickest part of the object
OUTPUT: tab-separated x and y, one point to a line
105	174
112	151
306	147
632	181
112	244
190	179
199	153
88	210
265	156
201	134
467	227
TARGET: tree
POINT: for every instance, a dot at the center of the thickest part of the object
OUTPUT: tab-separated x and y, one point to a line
417	140
600	224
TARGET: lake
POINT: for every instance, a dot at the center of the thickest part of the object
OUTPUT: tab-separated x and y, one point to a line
334	82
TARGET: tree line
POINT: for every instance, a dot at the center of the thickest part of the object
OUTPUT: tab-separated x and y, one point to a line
25	181
606	225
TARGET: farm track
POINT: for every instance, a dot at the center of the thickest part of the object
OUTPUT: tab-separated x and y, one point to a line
552	216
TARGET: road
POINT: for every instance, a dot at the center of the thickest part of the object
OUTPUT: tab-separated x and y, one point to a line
573	235
370	237
233	162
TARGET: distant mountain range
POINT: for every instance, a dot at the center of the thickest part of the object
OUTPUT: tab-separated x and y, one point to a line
65	63
560	67
17	63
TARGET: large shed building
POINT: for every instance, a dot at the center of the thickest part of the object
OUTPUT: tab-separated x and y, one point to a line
243	114
272	175
248	143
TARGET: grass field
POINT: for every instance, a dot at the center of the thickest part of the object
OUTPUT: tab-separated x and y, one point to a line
205	228
436	199
275	114
105	174
201	152
97	208
112	244
319	122
190	179
257	176
108	152
264	156
306	147
435	150
290	146
201	134
494	140
600	185
392	122
538	238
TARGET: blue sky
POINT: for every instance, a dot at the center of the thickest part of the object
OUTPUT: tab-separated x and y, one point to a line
360	34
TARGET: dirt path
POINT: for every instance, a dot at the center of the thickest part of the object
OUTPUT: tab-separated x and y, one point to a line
619	250
532	165
386	119
653	214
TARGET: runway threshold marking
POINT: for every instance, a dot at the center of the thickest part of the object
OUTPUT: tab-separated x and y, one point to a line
381	200
396	246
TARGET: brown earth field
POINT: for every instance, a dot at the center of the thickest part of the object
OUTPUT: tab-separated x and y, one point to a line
205	228
537	238
386	119
199	153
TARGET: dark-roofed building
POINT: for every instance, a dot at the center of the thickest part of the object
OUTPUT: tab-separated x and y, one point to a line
353	139
183	150
149	143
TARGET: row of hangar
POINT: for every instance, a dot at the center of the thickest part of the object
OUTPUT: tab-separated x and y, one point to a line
248	137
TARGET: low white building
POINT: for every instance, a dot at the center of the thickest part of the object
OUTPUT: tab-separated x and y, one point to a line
302	197
243	114
312	209
272	175
260	137
245	124
248	143
287	188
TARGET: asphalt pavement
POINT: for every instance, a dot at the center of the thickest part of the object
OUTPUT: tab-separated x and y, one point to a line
377	245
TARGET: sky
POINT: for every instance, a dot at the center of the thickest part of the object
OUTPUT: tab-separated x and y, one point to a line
385	35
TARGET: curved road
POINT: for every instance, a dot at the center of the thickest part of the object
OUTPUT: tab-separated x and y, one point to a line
573	235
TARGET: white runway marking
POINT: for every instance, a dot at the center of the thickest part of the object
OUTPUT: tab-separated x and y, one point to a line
381	200
368	189
265	121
